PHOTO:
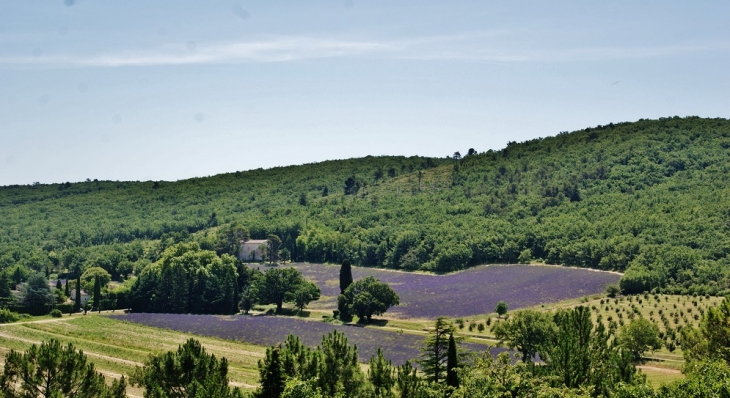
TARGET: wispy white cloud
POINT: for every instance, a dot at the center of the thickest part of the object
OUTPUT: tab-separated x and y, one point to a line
272	50
495	47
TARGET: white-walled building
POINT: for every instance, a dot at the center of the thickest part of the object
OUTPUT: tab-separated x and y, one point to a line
84	296
251	250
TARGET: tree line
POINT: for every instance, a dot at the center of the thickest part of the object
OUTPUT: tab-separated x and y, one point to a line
645	197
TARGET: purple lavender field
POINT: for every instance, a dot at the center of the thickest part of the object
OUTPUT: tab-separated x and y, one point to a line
475	291
270	330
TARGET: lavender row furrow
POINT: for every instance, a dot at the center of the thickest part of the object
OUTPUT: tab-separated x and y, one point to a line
471	292
271	330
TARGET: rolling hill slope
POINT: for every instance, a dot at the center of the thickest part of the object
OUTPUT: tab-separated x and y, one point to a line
650	197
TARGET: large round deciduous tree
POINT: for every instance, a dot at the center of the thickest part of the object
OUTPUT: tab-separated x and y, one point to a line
640	336
280	285
527	331
88	278
367	297
36	294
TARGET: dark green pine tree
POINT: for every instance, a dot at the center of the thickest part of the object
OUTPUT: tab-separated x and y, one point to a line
97	294
271	372
434	353
339	370
58	284
77	302
381	375
345	275
407	381
67	291
452	363
188	372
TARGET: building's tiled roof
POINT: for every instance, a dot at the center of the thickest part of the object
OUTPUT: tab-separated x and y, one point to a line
256	241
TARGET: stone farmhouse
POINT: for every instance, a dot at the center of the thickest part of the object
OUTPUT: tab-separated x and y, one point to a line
251	250
84	296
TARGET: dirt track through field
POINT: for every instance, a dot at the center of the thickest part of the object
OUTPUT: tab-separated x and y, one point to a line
660	370
88	353
92	354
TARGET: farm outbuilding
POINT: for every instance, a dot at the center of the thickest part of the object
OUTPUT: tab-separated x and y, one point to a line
84	296
251	250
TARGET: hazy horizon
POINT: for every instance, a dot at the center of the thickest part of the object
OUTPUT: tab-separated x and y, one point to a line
177	90
461	151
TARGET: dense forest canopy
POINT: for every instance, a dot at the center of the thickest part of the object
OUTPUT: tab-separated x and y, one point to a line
648	197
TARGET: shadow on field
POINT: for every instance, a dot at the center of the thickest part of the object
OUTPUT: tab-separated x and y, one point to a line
373	322
289	312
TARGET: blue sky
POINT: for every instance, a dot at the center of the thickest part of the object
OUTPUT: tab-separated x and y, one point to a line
166	90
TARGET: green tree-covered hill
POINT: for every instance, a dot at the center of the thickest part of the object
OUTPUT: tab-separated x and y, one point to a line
649	197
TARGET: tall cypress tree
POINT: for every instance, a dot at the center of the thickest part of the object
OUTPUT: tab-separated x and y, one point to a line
77	303
17	276
345	275
5	293
452	363
97	294
66	290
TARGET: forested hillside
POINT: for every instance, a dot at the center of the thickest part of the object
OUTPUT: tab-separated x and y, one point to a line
649	197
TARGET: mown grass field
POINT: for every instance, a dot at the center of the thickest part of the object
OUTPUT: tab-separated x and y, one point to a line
117	347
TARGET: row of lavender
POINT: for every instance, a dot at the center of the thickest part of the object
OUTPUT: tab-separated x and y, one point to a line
270	330
471	292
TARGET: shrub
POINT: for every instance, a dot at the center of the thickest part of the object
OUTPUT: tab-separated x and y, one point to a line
7	316
638	279
501	308
612	290
65	308
56	313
